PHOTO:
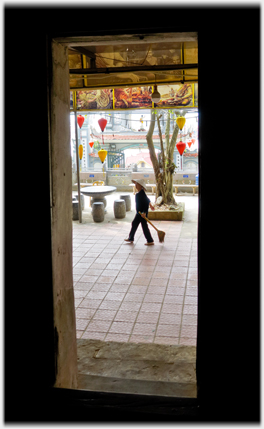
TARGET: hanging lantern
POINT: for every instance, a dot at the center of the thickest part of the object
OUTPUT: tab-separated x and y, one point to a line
181	146
80	120
80	151
102	124
189	143
180	122
91	144
102	154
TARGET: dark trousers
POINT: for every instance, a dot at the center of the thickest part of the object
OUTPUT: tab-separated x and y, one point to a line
135	223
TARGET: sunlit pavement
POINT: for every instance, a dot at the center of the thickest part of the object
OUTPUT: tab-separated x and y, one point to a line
132	292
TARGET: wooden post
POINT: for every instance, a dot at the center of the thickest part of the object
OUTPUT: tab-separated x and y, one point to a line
78	174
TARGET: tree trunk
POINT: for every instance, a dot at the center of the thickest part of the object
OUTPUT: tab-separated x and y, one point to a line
163	170
158	174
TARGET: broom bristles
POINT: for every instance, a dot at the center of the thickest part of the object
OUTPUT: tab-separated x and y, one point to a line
161	235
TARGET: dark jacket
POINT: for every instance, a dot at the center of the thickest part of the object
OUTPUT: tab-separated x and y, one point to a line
142	202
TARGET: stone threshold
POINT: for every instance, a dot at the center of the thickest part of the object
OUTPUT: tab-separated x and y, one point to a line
148	369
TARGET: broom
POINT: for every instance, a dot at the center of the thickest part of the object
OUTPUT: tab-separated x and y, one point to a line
161	234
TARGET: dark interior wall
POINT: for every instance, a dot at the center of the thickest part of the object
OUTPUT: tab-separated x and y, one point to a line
229	247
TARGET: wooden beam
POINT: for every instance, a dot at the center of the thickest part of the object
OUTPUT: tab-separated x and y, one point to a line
127	39
84	51
109	70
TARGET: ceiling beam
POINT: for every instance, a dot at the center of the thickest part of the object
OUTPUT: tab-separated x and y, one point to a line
83	51
127	39
139	68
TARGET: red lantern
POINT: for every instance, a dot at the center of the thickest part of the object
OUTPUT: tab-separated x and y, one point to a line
181	146
80	120
102	123
189	144
91	144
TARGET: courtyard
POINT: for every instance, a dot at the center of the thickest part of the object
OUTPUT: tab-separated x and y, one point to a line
132	293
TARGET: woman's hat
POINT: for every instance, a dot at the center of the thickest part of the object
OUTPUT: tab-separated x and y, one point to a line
140	182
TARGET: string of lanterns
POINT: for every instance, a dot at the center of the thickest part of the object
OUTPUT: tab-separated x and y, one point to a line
102	124
102	153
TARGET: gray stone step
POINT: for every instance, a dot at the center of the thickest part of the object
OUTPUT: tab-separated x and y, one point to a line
152	369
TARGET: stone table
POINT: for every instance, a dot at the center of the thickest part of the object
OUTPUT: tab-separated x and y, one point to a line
98	193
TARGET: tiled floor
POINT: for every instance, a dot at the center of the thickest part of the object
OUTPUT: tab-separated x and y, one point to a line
131	292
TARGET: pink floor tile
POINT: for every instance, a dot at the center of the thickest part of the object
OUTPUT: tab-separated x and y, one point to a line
81	324
189	319
165	330
192	283
189	331
147	317
172	308
105	279
134	297
170	318
174	341
100	287
158	281
173	299
191	291
91	335
84	313
152	297
190	300
123	280
177	275
159	290
96	294
99	326
90	303
117	337
151	307
161	274
137	289
107	304
192	276
146	269
121	327
175	290
144	328
177	282
125	316
104	314
190	309
130	306
115	296
119	288
140	280
79	293
141	339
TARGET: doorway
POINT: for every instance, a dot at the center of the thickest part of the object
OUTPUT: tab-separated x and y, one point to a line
63	290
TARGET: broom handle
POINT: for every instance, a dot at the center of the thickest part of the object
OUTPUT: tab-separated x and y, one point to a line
149	222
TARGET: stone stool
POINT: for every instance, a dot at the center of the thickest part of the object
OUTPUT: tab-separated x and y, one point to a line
98	212
75	210
120	209
127	201
101	200
82	199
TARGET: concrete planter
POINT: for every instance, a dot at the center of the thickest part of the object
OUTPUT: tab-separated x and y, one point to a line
167	214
